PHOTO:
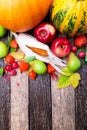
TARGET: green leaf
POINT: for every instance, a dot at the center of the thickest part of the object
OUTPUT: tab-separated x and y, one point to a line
86	56
66	71
63	81
29	59
74	80
12	50
1	71
9	40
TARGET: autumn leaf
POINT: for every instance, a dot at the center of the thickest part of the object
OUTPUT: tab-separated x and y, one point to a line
63	81
74	80
18	55
68	79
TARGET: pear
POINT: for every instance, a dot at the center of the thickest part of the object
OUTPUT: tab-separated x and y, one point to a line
74	62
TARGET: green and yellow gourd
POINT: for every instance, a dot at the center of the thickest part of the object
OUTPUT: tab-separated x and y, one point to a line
70	16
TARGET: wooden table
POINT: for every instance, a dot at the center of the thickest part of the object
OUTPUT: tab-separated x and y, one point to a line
39	105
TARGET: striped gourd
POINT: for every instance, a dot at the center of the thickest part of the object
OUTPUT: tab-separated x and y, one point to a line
70	16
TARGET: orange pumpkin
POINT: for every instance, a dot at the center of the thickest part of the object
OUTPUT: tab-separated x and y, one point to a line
23	15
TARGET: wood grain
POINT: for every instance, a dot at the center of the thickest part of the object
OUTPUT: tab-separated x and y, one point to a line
19	102
40	113
81	100
63	108
4	104
4	97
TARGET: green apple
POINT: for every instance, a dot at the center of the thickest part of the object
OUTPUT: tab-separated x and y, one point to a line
74	62
2	31
3	49
39	67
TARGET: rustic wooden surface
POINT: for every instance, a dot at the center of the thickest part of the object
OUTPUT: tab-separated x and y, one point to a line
39	105
19	102
81	100
63	108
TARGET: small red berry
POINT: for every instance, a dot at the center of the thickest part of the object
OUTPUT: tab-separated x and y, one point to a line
13	72
81	54
74	49
8	68
15	65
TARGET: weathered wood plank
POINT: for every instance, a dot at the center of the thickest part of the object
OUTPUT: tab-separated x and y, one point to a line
4	104
81	100
63	108
4	97
40	117
19	102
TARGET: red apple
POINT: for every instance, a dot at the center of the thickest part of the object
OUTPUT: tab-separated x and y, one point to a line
45	32
61	47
